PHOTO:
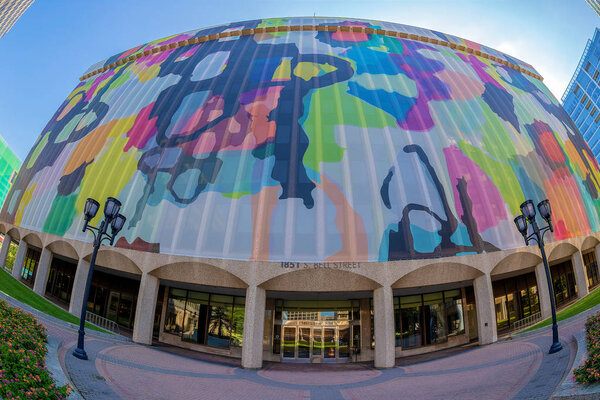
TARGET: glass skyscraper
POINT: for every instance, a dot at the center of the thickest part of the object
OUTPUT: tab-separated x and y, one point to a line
581	99
9	166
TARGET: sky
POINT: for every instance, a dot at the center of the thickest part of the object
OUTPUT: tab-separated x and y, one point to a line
54	42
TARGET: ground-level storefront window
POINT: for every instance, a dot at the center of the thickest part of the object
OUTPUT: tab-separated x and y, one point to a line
30	264
429	318
514	299
113	297
591	266
60	279
205	318
563	282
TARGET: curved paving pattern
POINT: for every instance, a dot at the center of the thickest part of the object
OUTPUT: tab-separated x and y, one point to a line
517	369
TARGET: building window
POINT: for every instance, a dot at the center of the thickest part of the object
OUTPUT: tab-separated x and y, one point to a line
211	319
576	89
593	111
596	75
591	266
429	318
32	259
514	299
175	311
60	279
587	106
563	282
587	66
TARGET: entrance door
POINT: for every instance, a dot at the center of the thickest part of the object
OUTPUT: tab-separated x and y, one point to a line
344	342
329	341
303	343
288	346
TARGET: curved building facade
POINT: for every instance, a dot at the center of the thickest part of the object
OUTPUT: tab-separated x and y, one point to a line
301	188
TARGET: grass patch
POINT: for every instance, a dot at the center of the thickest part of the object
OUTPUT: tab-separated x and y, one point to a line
19	291
578	307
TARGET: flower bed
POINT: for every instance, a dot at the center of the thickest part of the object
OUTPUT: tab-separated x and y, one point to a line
589	371
23	373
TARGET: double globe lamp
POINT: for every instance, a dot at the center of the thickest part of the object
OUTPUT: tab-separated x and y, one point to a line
116	221
528	215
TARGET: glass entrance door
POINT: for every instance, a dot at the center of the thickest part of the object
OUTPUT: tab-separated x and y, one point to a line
288	346
329	343
303	343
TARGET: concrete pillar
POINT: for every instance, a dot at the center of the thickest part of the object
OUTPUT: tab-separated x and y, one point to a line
580	275
365	326
4	251
83	268
41	276
383	308
486	314
19	260
143	323
254	324
543	291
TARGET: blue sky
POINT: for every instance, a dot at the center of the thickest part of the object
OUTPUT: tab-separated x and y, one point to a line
54	42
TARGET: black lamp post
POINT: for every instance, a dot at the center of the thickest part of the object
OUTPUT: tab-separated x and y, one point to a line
528	215
116	222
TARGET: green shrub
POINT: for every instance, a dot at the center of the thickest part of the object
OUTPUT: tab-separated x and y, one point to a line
589	371
23	373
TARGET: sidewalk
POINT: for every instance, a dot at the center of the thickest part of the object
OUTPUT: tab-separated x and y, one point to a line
519	368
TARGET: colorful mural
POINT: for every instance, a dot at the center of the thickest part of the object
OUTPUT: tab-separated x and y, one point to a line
310	146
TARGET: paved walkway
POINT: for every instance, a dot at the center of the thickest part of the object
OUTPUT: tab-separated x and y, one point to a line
510	369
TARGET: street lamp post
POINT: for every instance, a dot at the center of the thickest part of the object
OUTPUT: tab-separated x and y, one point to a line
528	215
116	222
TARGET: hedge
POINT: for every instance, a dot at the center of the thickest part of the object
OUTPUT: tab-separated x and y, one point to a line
589	371
23	373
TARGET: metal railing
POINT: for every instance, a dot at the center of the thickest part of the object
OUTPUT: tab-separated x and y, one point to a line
102	322
522	323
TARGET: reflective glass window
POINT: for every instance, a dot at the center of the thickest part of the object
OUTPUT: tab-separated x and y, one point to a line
175	311
435	321
410	314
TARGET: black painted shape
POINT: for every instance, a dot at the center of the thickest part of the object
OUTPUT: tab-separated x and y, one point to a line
501	103
385	189
401	242
69	183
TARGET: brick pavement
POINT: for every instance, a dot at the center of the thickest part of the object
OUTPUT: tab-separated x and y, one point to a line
510	369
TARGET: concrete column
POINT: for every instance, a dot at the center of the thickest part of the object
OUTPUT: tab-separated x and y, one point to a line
383	308
486	314
19	260
580	275
41	276
254	324
365	326
543	291
83	268
143	323
4	251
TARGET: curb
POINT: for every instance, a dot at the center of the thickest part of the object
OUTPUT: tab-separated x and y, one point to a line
53	365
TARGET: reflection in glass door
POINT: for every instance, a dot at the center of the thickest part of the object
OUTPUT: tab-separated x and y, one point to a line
289	342
329	342
304	342
317	341
344	342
